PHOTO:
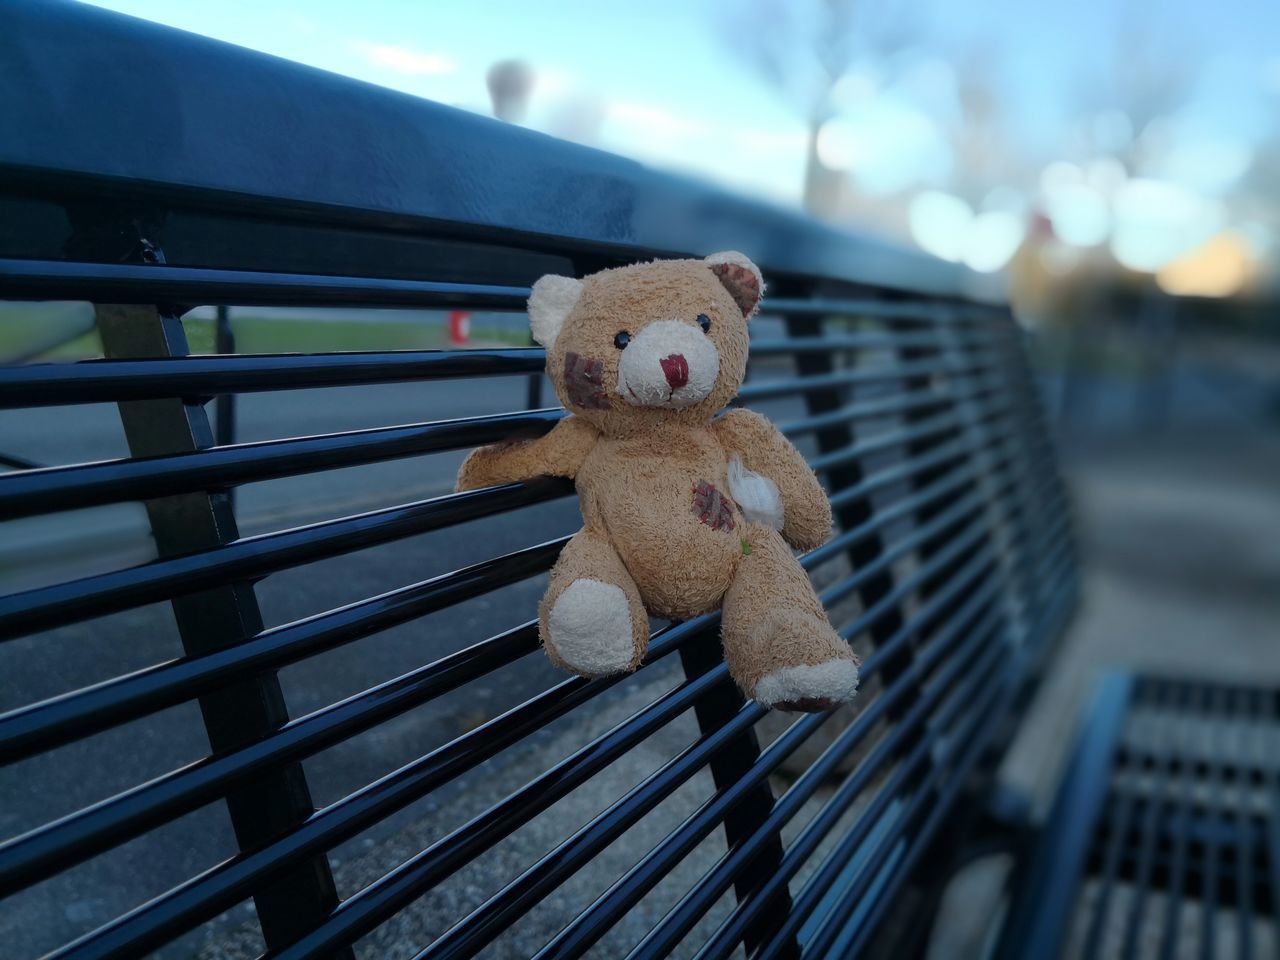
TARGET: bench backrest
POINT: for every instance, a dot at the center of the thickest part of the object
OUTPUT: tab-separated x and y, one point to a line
148	172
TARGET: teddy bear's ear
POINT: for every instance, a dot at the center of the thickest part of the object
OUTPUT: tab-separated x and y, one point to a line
740	277
550	302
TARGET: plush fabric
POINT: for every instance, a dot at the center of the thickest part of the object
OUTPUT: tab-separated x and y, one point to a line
683	512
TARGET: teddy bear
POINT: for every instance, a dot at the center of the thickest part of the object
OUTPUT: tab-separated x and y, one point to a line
686	508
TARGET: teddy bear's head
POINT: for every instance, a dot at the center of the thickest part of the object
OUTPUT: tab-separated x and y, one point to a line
650	343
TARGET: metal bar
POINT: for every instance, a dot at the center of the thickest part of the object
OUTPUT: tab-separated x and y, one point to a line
1176	885
660	941
211	892
393	891
254	557
871	409
769	389
42	726
1046	891
905	308
201	377
1156	698
77	836
257	556
729	766
225	403
587	927
239	714
591	924
111	282
838	860
913	830
1245	847
112	481
861	340
61	719
1217	715
479	928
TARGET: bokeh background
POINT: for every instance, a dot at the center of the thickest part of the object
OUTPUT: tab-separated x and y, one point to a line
1111	167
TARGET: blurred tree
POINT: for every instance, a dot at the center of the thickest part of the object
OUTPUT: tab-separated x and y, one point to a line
804	50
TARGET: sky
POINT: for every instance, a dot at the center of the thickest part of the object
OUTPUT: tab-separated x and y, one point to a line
685	85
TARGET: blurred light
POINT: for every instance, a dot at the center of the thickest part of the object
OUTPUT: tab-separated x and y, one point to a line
406	61
1259	237
856	86
837	144
1060	174
1006	200
1080	215
1157	221
940	223
1059	259
886	143
1112	131
1217	268
993	238
1212	167
1105	175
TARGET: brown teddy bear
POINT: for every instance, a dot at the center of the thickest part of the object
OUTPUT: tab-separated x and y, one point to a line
683	512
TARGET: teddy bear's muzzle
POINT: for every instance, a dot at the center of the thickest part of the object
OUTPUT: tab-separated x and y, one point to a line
668	364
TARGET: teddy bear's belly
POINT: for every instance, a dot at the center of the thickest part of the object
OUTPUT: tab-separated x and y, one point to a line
680	537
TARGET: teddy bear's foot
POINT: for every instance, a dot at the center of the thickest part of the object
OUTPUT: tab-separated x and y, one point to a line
793	660
590	631
809	688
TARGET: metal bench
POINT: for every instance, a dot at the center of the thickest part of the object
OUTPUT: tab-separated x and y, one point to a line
148	172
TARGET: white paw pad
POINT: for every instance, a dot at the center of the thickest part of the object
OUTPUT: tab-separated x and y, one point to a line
835	680
590	628
757	496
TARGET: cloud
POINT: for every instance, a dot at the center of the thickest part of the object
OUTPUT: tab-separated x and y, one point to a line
411	63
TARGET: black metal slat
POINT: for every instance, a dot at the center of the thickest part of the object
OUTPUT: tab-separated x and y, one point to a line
111	821
472	933
56	605
166	910
277	798
209	893
252	557
584	930
74	714
166	684
49	489
926	811
92	484
201	377
40	726
1215	718
1176	885
1154	803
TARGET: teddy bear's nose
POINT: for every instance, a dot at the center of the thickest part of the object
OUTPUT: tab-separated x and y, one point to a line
676	369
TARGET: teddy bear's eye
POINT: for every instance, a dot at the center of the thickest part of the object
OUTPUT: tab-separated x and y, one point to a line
622	339
704	322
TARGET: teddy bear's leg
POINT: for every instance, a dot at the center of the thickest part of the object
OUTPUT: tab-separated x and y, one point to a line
592	620
780	648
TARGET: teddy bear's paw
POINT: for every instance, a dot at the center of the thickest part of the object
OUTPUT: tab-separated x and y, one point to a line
809	688
590	629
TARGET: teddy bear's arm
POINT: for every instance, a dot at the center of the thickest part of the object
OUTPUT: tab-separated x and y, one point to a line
806	518
557	454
